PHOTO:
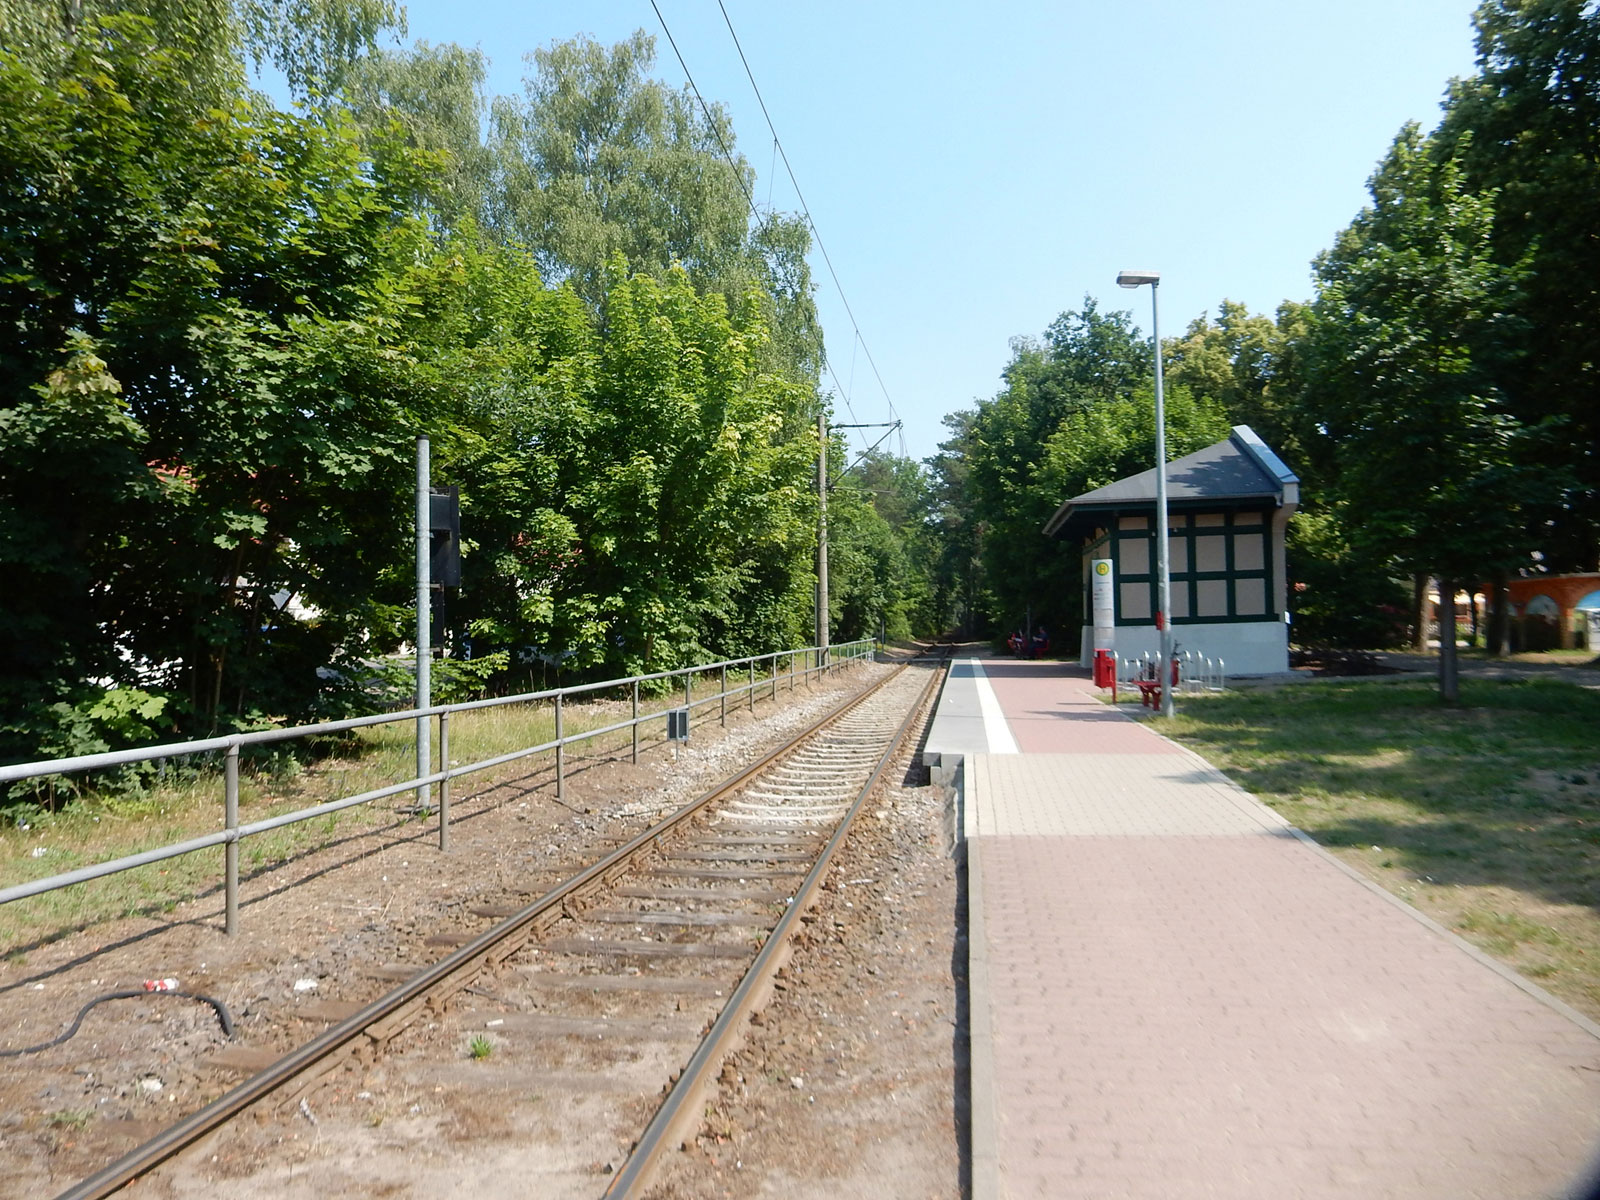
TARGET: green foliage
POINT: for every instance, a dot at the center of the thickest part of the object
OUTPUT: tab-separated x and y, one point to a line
434	96
597	160
1408	344
1525	130
958	601
1077	412
1436	399
228	423
1252	366
635	498
1099	445
1340	598
597	157
228	324
392	682
904	552
314	42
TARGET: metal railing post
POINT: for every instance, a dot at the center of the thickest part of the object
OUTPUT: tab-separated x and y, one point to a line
444	784
724	684
687	680
230	819
231	746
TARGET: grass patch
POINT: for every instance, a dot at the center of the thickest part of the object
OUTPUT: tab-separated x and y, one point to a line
1561	658
1486	814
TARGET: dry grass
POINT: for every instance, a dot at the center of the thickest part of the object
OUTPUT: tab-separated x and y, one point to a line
98	828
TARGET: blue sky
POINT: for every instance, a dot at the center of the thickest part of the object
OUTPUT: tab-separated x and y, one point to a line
975	171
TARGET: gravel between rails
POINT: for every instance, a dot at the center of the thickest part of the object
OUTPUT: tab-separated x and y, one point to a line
316	931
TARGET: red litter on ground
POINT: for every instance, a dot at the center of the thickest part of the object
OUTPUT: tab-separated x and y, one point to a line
160	985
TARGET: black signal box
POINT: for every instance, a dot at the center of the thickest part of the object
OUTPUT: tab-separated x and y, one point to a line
444	527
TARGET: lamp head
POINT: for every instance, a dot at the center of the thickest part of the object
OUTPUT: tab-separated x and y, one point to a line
1133	279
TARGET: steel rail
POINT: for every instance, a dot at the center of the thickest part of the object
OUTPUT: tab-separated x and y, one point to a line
232	743
508	935
681	1105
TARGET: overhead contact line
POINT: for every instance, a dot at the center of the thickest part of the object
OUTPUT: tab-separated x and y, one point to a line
756	212
810	220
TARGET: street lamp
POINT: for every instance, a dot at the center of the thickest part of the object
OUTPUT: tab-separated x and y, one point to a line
1135	279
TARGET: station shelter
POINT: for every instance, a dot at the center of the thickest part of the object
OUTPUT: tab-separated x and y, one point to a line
1228	506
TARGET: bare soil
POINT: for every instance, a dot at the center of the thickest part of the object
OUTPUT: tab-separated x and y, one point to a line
865	1019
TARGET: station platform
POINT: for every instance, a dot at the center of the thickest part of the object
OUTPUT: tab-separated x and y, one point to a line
1174	993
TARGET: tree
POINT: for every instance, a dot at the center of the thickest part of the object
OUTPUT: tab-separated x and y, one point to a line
1525	130
1113	440
1435	469
959	599
597	159
435	95
879	521
1077	410
204	305
313	42
228	323
634	495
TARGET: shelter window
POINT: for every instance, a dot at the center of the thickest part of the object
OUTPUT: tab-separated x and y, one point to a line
1135	601
1220	567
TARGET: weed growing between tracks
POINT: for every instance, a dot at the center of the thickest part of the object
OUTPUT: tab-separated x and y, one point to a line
1485	815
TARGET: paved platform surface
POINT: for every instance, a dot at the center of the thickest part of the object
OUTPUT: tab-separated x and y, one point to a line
1175	994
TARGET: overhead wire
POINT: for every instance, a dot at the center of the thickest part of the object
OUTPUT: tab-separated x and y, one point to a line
748	196
805	208
706	108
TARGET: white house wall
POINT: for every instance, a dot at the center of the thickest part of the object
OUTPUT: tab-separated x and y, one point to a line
1245	647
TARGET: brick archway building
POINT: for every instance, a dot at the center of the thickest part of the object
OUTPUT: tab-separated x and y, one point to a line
1564	592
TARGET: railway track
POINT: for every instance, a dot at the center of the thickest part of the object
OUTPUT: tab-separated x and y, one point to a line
577	1033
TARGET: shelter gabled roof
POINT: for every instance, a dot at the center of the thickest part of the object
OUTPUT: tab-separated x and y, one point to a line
1238	471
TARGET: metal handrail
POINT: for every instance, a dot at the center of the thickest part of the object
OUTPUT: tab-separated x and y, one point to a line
229	837
118	758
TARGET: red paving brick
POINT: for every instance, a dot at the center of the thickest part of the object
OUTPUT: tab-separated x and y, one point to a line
1040	697
1218	1009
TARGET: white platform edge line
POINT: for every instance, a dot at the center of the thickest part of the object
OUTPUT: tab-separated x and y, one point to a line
995	728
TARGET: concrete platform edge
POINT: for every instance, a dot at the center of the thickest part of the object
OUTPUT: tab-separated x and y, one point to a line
980	1037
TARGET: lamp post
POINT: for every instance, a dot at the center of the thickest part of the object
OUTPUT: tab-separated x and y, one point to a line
1135	279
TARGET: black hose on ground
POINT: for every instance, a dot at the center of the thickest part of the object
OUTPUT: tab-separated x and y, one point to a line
224	1017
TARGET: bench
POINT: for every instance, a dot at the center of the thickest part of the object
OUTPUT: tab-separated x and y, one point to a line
1150	686
1149	692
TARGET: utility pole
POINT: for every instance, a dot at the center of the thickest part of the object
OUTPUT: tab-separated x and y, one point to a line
1137	279
424	618
822	513
822	538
